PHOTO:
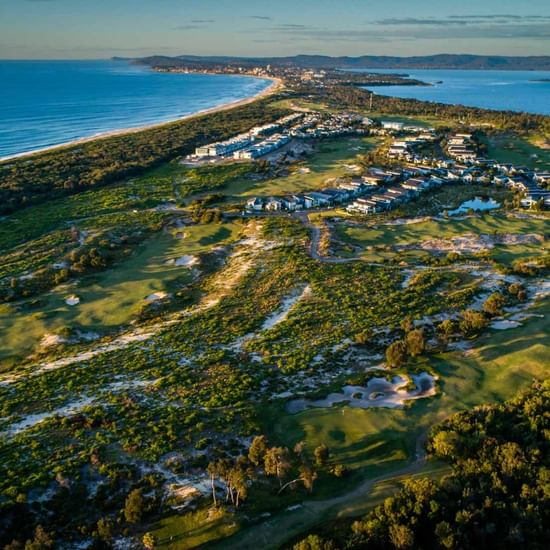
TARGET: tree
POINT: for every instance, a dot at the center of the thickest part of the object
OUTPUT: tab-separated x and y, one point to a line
257	450
149	541
339	470
321	454
407	324
446	328
472	322
314	542
212	469
401	537
396	353
308	476
42	540
239	477
134	506
277	463
494	304
105	529
415	342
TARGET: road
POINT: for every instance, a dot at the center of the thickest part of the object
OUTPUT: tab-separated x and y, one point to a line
282	527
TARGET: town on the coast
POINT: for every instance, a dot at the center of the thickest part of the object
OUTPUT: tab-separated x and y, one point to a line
416	159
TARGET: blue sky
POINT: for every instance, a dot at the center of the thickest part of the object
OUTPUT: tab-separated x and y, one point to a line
80	29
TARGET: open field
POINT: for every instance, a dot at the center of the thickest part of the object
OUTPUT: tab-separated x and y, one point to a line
110	299
520	150
379	241
331	159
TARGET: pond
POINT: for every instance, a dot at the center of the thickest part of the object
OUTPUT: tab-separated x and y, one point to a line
477	204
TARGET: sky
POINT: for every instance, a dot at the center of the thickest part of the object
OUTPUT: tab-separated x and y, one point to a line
99	29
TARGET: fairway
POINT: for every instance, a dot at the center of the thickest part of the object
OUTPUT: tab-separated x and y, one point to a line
327	162
377	440
377	241
112	298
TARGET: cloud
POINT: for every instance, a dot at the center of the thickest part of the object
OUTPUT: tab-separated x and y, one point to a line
189	27
203	21
261	17
463	20
416	21
411	30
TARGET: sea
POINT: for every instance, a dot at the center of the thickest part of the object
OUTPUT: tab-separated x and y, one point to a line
525	91
46	103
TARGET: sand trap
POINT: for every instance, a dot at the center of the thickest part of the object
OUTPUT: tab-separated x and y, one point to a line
473	243
72	300
505	324
49	340
408	221
186	261
155	297
379	392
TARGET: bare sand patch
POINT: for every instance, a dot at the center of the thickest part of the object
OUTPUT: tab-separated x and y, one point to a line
379	392
72	300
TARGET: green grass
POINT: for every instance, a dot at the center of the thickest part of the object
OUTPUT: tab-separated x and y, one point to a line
356	437
519	150
376	440
387	236
194	529
111	298
327	162
425	122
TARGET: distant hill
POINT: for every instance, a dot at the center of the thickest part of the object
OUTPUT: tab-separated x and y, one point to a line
441	61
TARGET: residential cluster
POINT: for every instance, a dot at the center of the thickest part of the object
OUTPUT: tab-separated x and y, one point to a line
262	140
382	189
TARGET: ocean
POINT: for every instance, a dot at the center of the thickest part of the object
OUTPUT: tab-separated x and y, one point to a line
45	103
501	90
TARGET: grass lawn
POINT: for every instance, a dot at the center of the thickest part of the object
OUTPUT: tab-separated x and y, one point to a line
411	234
376	440
193	529
329	161
111	298
518	150
425	122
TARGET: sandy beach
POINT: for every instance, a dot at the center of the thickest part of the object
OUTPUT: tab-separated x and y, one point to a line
276	85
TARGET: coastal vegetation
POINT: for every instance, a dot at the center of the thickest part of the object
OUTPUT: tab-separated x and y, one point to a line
81	167
496	493
177	372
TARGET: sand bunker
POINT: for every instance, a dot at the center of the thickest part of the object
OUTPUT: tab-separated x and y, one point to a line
184	261
473	243
505	324
379	392
408	221
72	300
49	340
187	261
155	297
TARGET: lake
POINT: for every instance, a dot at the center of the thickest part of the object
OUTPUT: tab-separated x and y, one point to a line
502	90
45	103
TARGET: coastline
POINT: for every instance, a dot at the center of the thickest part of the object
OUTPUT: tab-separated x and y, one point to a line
276	85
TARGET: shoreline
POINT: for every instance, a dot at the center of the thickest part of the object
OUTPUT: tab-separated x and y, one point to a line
276	84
